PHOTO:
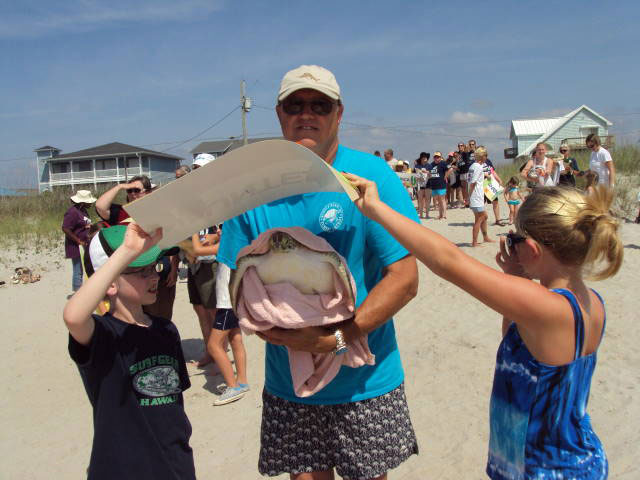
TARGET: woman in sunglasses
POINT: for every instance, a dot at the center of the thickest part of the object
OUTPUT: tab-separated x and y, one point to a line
551	330
567	176
112	212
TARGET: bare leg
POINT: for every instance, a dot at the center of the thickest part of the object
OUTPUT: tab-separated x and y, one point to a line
465	192
476	228
427	201
205	318
239	355
483	228
215	346
496	211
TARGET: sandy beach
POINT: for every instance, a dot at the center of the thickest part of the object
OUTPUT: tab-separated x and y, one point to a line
447	339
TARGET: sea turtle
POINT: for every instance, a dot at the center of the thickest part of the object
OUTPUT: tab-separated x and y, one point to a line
288	260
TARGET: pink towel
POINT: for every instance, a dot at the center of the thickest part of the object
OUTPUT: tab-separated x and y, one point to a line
261	307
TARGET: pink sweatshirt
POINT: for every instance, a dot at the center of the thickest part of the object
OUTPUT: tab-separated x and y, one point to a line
260	307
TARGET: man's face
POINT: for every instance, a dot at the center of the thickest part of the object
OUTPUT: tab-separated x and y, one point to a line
315	131
591	145
387	155
472	145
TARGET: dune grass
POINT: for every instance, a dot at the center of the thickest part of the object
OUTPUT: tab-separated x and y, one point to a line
37	219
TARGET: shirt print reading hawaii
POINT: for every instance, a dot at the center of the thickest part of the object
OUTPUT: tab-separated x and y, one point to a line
156	380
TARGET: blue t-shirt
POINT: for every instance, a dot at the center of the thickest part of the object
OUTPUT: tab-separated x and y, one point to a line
366	246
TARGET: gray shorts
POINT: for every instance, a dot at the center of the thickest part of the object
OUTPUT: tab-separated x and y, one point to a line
360	439
477	209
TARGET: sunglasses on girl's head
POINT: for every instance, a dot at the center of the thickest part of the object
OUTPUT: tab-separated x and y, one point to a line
296	107
145	272
134	190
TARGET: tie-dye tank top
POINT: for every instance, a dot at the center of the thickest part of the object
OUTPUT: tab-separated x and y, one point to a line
539	425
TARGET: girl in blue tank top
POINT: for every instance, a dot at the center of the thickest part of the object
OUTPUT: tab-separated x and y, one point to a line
539	428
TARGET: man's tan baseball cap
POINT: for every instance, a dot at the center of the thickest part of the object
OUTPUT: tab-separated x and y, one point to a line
309	76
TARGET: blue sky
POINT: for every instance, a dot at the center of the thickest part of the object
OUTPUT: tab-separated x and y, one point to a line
81	73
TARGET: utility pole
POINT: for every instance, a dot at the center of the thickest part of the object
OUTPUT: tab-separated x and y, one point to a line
246	106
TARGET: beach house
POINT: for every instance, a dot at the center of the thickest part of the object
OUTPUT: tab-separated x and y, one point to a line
110	163
220	147
570	129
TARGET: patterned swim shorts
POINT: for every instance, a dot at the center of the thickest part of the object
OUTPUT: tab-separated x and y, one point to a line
362	440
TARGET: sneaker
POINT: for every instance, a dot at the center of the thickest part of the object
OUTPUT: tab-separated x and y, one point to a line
244	387
230	395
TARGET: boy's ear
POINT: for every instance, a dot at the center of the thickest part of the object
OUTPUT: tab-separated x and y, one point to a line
112	290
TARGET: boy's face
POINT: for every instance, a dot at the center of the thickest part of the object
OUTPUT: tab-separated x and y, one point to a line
139	285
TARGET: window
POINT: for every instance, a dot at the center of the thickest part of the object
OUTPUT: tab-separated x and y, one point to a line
57	167
83	166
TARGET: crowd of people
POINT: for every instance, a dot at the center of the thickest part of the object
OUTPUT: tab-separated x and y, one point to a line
358	425
454	181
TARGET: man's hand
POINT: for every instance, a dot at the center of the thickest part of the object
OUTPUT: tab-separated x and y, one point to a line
308	339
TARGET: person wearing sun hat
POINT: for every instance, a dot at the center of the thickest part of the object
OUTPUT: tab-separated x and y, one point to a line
131	363
75	226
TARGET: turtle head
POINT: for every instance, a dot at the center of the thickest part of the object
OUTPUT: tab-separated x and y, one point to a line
282	242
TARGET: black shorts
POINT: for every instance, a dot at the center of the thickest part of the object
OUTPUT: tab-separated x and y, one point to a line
456	184
359	439
202	285
225	319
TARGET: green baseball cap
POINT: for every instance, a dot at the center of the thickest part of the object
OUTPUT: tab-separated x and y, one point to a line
107	241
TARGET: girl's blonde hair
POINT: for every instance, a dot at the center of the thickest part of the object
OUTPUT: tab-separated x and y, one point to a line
578	229
481	151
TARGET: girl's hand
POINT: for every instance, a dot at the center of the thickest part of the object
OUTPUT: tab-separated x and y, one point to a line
369	199
508	261
138	241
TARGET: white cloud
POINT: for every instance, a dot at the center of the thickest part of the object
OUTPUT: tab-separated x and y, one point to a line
466	117
86	15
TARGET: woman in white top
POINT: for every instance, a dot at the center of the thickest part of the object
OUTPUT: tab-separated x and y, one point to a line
538	170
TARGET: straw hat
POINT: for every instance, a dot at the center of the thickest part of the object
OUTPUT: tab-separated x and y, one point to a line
83	196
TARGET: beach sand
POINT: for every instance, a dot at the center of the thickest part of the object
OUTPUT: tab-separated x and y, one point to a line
447	339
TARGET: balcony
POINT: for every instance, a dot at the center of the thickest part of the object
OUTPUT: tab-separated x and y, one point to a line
97	176
578	143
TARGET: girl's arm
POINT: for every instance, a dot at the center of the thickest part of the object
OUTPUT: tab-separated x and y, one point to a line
202	249
77	312
519	299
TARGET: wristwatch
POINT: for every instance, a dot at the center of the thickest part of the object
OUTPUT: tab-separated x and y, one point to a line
341	345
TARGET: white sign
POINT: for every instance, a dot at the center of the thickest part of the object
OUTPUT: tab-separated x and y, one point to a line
238	181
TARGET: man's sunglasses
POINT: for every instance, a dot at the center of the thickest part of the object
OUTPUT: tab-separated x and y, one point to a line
296	107
145	272
513	239
134	190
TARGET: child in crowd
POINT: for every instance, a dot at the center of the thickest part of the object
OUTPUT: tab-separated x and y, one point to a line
513	198
592	179
476	177
226	331
538	426
131	364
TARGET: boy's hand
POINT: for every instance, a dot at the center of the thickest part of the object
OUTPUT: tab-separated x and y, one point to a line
138	241
369	199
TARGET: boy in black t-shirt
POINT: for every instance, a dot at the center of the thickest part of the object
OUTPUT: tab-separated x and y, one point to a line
131	364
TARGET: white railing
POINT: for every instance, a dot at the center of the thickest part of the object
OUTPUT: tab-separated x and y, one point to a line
111	174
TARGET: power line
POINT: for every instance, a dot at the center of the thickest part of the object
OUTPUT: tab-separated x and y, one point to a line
203	131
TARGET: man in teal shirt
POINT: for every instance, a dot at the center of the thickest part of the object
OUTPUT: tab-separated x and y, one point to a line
359	423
